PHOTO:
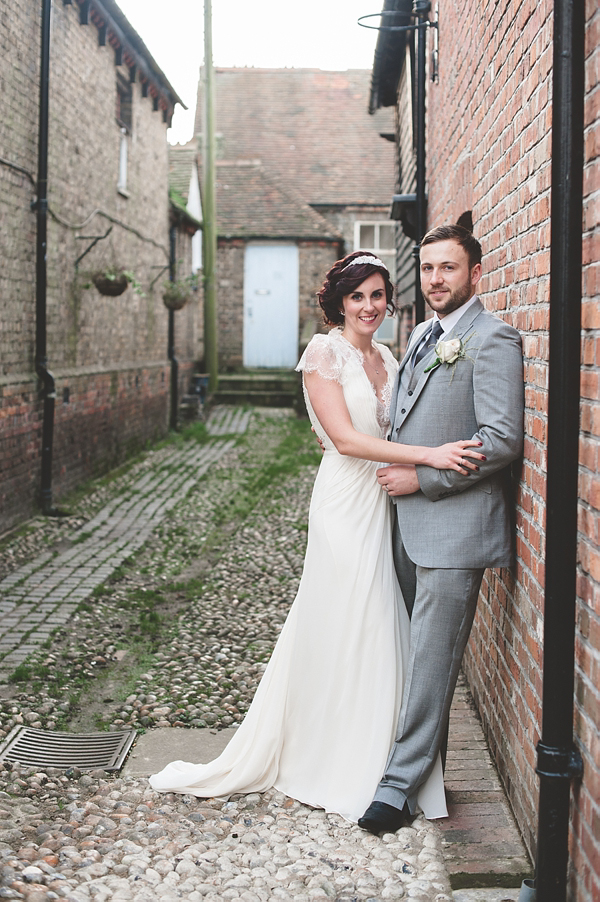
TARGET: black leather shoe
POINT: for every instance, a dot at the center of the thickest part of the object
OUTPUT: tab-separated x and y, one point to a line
382	818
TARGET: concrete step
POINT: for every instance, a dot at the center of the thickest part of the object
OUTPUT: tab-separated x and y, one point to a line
256	397
259	388
279	381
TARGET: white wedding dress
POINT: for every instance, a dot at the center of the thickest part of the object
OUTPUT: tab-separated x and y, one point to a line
324	716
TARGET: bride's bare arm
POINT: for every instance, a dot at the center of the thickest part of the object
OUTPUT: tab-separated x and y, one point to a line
327	399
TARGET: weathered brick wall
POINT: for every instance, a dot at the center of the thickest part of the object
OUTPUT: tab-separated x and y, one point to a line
230	303
108	355
84	163
19	43
488	150
494	154
314	259
496	143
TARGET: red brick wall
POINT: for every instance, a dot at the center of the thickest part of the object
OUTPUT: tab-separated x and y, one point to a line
488	150
108	416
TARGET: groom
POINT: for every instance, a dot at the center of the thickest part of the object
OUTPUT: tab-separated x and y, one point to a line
461	377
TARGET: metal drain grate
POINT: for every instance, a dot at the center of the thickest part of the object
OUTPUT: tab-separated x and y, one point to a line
87	751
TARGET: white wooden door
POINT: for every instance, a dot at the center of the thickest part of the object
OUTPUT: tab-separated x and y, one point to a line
271	305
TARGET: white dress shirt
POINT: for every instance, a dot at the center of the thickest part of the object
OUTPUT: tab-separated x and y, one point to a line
449	321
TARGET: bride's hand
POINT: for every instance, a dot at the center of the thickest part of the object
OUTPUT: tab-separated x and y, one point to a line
458	456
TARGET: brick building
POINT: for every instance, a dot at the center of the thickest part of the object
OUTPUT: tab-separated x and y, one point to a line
303	176
488	159
110	106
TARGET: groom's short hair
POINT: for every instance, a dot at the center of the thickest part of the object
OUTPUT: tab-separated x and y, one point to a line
457	233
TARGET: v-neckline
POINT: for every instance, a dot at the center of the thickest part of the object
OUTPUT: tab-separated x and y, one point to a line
361	356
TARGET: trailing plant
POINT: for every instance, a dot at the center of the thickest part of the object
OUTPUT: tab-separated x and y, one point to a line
176	294
113	281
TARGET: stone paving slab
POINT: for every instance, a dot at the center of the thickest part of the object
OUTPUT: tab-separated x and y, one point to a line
481	842
486	895
154	750
224	420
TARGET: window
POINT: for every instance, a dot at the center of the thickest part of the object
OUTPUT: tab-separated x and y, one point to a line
194	206
124	110
380	239
123	150
124	116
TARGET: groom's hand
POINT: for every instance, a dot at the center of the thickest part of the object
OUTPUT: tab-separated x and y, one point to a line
320	440
398	479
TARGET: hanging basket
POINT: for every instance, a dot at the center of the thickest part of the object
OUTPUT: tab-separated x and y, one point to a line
111	285
176	296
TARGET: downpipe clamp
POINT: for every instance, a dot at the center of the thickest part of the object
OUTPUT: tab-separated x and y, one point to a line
558	763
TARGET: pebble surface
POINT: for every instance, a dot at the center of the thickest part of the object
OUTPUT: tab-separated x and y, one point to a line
82	837
221	571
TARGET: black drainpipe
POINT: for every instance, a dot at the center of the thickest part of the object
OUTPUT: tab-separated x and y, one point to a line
421	10
558	760
41	206
171	337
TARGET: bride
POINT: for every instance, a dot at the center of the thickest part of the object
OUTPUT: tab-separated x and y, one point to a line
324	716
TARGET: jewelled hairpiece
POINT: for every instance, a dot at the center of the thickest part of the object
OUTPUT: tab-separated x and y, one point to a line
365	259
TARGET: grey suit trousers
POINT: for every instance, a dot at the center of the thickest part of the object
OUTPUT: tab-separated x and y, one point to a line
442	606
453	527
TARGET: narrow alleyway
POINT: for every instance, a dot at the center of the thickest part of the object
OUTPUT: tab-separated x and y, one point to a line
160	611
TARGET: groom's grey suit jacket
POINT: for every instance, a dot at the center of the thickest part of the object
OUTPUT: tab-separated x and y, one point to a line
456	521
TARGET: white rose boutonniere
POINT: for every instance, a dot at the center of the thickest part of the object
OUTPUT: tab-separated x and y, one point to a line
450	351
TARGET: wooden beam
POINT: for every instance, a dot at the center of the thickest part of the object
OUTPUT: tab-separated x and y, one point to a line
132	73
145	88
155	104
119	55
84	12
102	35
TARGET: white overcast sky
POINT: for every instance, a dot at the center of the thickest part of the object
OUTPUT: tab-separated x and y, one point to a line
320	34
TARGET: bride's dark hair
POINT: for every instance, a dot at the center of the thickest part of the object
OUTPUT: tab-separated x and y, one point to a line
341	281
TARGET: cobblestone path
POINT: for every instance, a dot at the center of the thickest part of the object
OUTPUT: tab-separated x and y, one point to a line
220	562
43	594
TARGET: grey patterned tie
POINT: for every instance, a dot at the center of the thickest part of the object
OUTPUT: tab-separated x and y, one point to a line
432	340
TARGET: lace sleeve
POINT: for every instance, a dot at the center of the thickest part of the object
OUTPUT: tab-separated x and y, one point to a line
321	356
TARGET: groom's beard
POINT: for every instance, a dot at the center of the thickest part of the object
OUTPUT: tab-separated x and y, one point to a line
451	300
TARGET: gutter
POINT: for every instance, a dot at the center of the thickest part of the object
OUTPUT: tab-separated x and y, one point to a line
391	44
41	207
388	61
558	759
171	333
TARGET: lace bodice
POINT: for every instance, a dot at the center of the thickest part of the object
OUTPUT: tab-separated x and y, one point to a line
333	357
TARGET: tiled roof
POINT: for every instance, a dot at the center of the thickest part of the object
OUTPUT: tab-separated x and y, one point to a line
127	37
309	126
182	157
254	204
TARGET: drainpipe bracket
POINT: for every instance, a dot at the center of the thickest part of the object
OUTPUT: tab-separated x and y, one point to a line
421	7
558	763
